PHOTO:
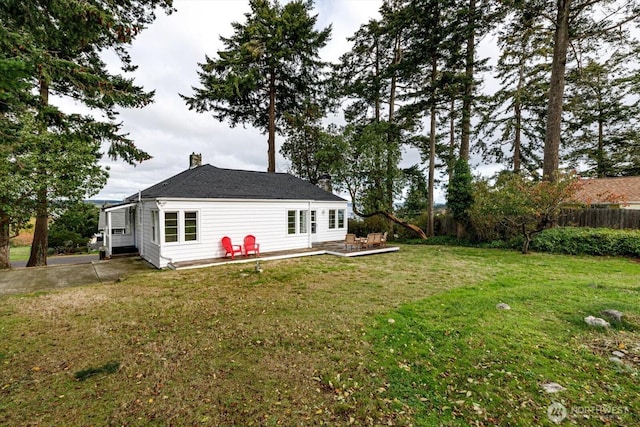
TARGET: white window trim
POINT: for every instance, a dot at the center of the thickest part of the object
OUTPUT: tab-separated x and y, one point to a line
295	222
335	224
184	224
181	227
303	213
164	227
156	234
344	219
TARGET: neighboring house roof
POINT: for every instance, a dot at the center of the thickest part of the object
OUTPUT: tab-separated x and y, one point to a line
209	182
609	190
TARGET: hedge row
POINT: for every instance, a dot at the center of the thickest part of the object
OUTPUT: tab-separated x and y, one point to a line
562	240
588	241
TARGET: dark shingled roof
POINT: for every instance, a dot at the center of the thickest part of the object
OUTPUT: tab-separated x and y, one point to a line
209	182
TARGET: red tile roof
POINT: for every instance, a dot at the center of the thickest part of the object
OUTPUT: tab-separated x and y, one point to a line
609	190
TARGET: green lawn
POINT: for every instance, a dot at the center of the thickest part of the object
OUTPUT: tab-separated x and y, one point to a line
406	338
19	253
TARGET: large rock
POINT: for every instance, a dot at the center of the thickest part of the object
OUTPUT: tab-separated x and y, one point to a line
596	321
612	314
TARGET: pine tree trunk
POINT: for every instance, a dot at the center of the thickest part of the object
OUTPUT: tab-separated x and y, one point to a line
517	107
432	152
38	255
452	138
5	261
468	84
391	132
601	168
551	160
272	123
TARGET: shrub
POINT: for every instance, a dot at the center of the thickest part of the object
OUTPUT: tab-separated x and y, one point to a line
64	241
588	241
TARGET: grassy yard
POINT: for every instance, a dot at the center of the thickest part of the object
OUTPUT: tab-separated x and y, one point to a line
19	253
407	338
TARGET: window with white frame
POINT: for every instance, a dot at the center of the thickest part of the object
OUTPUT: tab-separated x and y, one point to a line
118	231
190	226
297	221
155	227
291	222
336	218
340	218
303	221
171	227
313	222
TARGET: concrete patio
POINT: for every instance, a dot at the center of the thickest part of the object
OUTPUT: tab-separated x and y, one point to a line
326	248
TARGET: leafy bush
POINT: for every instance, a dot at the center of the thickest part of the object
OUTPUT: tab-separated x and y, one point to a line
65	241
588	241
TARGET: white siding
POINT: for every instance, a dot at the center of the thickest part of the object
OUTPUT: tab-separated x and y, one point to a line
267	220
148	250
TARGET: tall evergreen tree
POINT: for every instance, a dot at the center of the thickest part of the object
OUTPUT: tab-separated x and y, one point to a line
269	66
460	195
434	36
14	101
66	41
305	138
514	116
603	112
367	78
583	21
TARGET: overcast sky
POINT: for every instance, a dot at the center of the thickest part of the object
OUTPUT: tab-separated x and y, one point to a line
167	54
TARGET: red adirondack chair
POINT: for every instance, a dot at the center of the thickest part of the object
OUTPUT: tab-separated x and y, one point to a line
229	248
250	245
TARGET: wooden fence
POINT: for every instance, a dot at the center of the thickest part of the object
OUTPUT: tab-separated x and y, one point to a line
606	218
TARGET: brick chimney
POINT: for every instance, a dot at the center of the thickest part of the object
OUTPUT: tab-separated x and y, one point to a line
324	182
195	160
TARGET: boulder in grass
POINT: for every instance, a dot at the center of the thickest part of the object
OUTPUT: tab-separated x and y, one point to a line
610	314
596	321
503	306
552	387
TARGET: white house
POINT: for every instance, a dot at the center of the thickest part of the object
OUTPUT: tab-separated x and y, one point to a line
185	217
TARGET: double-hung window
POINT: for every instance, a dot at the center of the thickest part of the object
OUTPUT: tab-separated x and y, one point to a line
336	218
155	227
303	221
291	222
297	222
171	227
190	226
178	226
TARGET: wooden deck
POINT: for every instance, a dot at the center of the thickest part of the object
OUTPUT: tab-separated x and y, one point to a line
325	248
